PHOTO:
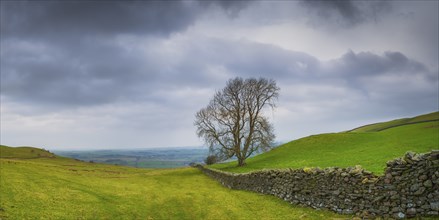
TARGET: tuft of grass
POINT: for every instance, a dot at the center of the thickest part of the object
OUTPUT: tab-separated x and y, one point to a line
61	188
371	150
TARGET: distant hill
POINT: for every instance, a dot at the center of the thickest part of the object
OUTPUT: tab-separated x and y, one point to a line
370	146
142	158
23	152
398	122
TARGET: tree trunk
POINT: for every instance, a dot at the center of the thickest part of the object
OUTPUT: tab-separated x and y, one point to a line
241	162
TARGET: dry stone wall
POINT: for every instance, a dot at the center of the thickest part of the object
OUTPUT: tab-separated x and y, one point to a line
409	187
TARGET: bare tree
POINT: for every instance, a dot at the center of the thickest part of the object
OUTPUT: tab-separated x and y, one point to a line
232	124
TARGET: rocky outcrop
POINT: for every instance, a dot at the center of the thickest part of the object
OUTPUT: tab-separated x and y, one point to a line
408	188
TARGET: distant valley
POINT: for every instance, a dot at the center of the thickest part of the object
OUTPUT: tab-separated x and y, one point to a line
142	158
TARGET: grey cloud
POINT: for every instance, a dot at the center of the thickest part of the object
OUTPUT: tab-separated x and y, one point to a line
232	8
84	18
61	20
68	54
345	13
144	91
364	64
73	54
94	73
63	79
110	73
253	59
390	83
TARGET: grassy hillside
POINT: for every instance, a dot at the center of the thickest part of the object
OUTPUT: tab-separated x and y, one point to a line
61	188
23	152
368	149
398	122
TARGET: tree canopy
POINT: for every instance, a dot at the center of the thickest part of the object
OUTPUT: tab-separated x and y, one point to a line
232	124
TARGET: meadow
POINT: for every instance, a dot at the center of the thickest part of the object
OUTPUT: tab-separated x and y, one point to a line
62	188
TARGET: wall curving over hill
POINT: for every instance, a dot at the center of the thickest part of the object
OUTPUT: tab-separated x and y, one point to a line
409	187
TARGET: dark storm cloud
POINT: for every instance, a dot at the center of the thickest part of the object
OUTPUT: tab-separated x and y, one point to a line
67	53
64	19
50	75
84	18
345	13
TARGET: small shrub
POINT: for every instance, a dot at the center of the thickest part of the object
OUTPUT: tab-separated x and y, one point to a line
211	159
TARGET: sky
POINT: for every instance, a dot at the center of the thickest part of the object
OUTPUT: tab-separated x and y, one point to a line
132	74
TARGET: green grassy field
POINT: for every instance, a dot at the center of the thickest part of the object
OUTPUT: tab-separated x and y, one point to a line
398	122
62	188
371	150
